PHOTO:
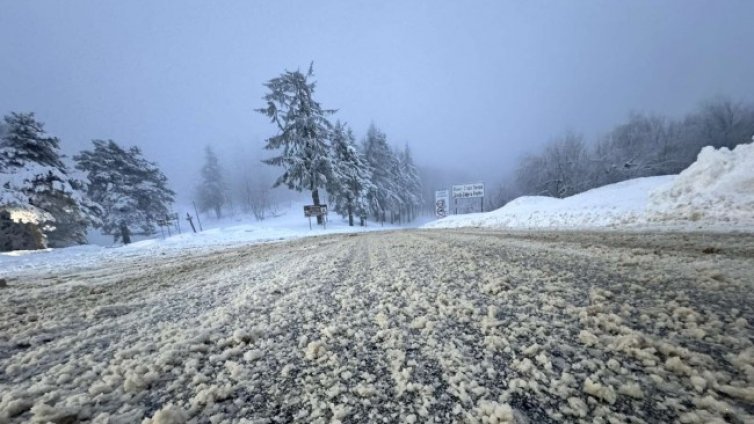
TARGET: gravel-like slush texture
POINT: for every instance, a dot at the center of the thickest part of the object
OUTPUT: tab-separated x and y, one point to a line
412	326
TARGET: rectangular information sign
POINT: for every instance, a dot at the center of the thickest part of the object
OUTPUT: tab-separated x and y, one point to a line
442	203
468	190
314	210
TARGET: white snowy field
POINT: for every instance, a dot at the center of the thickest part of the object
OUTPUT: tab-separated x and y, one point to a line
716	193
221	234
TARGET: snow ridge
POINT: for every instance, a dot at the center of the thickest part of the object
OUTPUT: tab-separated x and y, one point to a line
715	193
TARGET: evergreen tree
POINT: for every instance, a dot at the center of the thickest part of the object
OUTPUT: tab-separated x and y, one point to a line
133	191
410	182
211	191
350	183
26	142
303	131
4	161
382	163
37	182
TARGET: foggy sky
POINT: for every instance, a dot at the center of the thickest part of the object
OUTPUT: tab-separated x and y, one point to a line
470	85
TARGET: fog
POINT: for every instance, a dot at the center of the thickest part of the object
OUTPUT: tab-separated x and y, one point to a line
471	87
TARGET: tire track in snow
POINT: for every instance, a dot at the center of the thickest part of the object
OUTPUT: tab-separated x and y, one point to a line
656	311
122	325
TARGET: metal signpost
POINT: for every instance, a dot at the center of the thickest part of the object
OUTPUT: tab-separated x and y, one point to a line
468	191
442	201
315	210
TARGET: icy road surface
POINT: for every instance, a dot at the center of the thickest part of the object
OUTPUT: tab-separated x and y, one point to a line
412	326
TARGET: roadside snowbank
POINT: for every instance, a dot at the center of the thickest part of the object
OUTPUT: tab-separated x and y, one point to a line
715	192
609	206
717	188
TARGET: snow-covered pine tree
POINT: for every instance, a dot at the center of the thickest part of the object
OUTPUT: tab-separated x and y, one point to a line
38	187
399	183
211	191
132	190
26	142
382	163
64	197
411	183
303	131
3	160
350	183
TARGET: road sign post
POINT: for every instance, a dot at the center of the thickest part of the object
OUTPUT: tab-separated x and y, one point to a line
442	198
316	210
468	191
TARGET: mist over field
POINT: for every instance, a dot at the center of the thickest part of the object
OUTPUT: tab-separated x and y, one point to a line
472	89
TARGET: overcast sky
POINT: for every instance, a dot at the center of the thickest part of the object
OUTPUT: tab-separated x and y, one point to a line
467	84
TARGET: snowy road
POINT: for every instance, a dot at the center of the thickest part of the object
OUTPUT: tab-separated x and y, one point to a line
411	326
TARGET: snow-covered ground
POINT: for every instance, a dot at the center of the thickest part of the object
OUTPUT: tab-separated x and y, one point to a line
217	235
458	326
715	193
613	205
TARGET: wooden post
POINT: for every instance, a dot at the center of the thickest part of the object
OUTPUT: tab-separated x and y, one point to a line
189	218
197	217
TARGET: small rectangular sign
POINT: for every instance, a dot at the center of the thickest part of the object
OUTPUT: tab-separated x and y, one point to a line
468	190
314	210
442	203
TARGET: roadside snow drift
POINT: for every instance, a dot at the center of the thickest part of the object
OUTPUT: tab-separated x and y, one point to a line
612	205
715	192
718	187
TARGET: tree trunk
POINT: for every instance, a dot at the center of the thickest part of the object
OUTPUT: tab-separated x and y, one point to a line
315	199
218	212
125	234
350	215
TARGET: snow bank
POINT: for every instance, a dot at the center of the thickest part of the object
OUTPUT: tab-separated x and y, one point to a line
717	188
715	192
612	205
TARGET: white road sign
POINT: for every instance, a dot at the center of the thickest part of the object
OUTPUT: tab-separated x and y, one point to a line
468	190
442	203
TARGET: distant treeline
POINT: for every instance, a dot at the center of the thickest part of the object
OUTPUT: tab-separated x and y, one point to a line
367	179
645	145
